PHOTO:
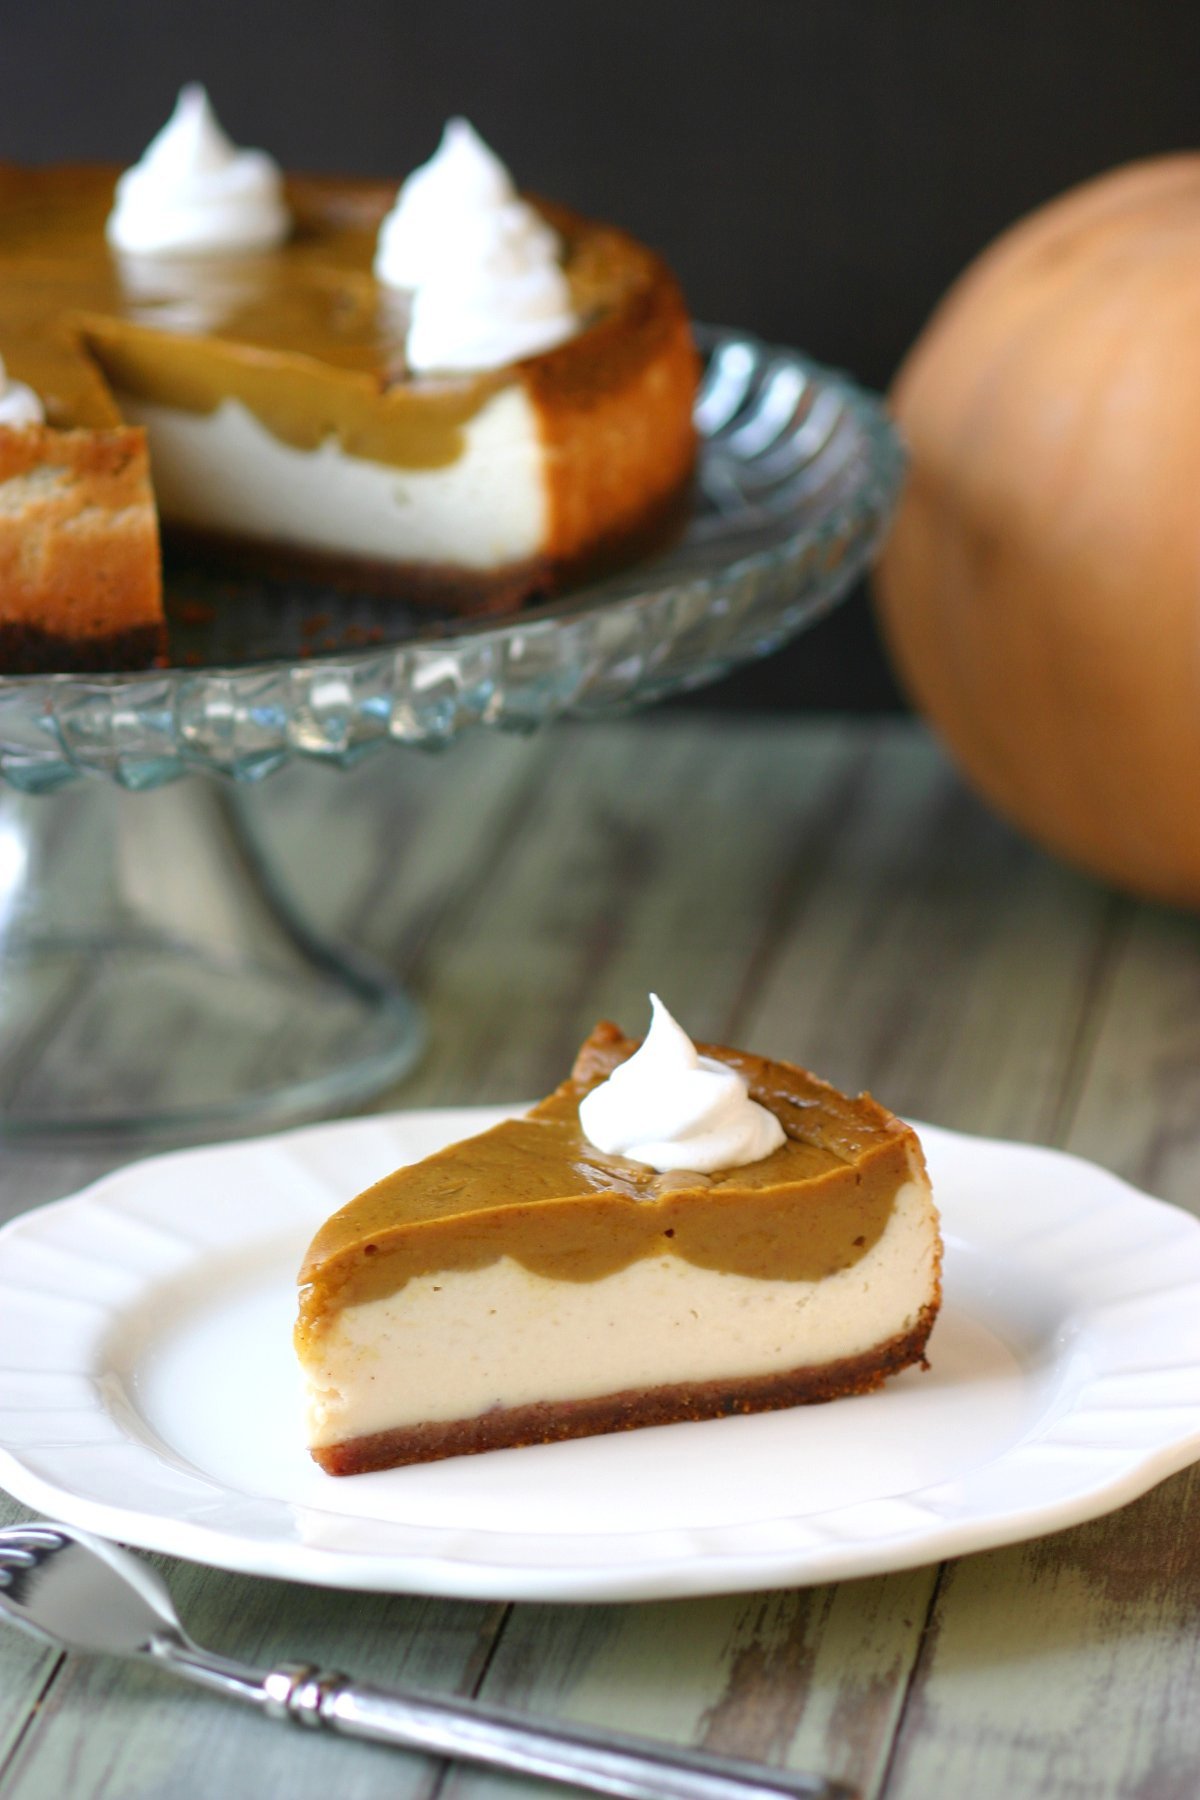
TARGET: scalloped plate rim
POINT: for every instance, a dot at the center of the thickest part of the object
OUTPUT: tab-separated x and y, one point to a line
470	1562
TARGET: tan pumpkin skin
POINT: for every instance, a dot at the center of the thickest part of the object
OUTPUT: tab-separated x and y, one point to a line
1041	589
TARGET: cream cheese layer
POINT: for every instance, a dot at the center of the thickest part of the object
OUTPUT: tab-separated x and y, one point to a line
225	472
453	1344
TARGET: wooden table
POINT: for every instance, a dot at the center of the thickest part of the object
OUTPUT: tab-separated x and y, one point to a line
823	891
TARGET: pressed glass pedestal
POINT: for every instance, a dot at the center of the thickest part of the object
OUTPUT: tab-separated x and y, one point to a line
156	976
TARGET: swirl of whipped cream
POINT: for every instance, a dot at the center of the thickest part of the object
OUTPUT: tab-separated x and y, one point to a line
194	193
19	405
672	1108
481	264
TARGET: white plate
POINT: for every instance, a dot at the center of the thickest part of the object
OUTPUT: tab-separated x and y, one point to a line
148	1392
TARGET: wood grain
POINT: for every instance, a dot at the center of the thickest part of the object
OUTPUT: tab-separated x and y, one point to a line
829	893
893	925
809	1679
26	1669
114	1730
1068	1666
1065	1667
643	861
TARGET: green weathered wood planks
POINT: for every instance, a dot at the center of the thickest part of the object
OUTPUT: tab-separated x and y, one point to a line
26	1669
1069	1666
823	891
113	1730
810	1679
892	931
1066	1667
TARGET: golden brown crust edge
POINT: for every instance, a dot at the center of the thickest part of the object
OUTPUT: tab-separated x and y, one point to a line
615	408
79	555
553	1421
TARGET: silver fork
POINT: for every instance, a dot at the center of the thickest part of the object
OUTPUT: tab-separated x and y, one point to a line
87	1595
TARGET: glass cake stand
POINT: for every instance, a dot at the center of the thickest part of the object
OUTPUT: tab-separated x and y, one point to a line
156	976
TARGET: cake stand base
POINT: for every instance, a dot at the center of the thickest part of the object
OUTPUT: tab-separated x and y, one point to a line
156	981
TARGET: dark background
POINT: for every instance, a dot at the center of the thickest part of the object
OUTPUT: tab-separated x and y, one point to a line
816	170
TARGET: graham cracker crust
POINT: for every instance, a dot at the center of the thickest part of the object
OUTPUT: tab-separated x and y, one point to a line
551	1421
31	650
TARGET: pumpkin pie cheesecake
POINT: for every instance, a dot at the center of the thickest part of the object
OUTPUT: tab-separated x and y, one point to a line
677	1232
453	393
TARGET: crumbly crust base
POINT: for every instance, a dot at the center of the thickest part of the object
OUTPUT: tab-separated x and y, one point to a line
28	650
547	1422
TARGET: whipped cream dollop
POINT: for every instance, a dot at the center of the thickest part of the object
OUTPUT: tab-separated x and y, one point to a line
482	266
672	1108
195	193
19	405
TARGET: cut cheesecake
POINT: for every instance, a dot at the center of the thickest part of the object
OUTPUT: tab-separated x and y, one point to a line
79	566
523	1286
285	429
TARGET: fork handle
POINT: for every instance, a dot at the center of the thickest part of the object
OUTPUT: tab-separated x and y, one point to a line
606	1762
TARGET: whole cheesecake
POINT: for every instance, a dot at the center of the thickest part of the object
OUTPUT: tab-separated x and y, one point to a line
285	428
524	1286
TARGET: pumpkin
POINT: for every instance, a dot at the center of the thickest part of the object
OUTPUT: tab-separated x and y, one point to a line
1040	592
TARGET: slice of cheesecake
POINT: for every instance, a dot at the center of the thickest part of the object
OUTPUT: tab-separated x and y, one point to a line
79	558
523	1286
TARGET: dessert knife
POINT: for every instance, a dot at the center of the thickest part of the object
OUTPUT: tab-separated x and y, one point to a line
89	1596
